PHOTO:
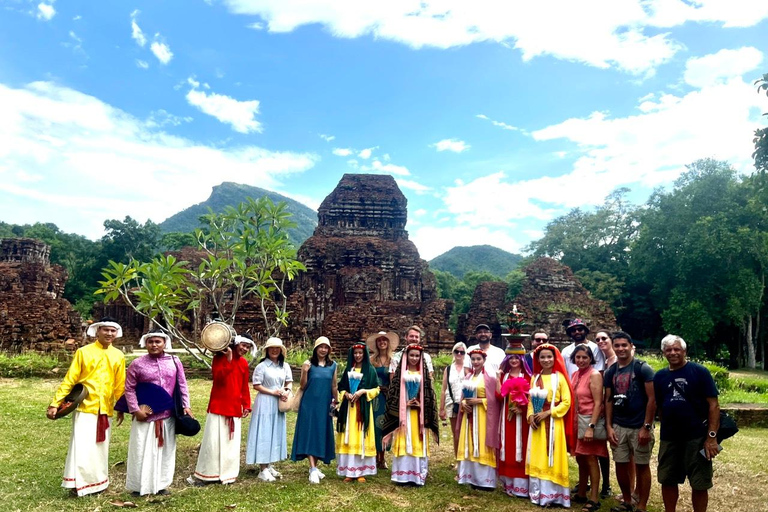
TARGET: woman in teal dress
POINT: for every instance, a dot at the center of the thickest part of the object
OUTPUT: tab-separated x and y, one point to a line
314	436
381	347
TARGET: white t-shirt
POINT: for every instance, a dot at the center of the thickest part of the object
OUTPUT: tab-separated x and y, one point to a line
598	365
493	359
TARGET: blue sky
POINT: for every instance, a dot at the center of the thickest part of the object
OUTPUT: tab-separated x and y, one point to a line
494	117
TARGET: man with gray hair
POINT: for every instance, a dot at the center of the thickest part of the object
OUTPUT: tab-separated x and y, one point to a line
686	397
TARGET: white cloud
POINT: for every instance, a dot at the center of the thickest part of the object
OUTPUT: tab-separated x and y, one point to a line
142	64
378	167
161	50
455	145
412	185
161	118
326	138
45	11
77	18
241	115
366	153
624	35
111	164
721	66
136	32
432	241
500	124
341	151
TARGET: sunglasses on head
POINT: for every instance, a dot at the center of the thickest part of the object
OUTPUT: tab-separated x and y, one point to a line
459	352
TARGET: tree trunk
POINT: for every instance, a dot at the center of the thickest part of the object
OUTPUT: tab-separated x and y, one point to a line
750	345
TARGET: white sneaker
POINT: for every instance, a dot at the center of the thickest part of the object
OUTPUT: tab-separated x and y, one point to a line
266	476
275	473
314	478
320	473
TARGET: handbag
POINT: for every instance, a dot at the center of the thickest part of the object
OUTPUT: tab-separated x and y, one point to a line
292	404
728	427
599	434
186	425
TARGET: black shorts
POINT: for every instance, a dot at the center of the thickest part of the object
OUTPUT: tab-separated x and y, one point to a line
681	459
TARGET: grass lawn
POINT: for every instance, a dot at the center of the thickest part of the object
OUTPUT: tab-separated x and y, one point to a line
32	459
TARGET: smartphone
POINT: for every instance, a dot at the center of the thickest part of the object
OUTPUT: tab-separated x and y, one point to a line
703	453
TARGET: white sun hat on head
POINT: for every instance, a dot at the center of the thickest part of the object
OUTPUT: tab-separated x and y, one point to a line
156	334
244	339
104	322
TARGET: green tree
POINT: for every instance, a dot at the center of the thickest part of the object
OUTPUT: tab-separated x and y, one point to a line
127	239
246	255
761	135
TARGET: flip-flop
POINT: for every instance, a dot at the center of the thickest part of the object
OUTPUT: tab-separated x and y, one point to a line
623	507
590	506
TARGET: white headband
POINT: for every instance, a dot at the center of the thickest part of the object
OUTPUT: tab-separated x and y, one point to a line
95	327
143	340
242	339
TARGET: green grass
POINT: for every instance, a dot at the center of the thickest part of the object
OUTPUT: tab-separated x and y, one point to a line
34	448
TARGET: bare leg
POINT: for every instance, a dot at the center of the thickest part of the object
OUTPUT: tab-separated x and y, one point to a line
700	500
670	495
633	476
594	478
584	473
455	437
622	475
643	481
605	470
312	462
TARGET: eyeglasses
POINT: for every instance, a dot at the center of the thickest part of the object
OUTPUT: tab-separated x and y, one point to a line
459	352
579	329
602	338
540	339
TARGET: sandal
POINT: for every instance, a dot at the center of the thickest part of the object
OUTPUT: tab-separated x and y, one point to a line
623	507
579	499
590	506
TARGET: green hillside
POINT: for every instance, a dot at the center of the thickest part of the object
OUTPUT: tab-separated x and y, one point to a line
232	194
460	260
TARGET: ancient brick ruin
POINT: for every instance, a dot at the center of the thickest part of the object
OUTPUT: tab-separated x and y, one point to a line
550	294
33	314
363	274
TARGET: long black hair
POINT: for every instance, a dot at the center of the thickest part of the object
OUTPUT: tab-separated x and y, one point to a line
315	361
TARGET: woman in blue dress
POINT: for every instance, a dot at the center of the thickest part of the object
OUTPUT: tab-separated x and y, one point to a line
272	379
314	436
381	347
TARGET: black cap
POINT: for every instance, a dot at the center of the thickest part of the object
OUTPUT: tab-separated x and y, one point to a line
482	326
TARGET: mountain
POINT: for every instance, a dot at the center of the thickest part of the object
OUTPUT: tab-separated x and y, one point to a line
232	194
460	260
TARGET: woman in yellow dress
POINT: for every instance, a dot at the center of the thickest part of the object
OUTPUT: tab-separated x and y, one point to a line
478	426
551	429
411	412
356	436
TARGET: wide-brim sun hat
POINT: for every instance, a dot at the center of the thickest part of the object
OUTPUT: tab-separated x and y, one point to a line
575	322
393	338
322	340
275	342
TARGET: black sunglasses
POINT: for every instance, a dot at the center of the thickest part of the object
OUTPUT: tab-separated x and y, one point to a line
460	352
602	338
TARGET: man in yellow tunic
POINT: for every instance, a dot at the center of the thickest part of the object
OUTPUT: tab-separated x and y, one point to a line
356	434
100	368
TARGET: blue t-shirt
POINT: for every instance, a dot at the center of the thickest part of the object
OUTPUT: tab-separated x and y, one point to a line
628	392
681	397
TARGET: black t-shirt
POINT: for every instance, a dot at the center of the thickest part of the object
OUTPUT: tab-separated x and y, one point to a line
628	392
684	415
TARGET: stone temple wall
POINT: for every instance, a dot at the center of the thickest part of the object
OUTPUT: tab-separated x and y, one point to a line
33	314
363	273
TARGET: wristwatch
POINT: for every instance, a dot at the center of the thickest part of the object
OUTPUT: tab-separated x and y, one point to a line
712	434
648	426
592	425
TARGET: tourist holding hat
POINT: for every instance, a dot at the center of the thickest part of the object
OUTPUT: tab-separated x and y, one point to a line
381	346
149	385
100	369
219	457
494	355
272	380
314	438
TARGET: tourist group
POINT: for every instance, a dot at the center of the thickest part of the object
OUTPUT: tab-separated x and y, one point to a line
516	415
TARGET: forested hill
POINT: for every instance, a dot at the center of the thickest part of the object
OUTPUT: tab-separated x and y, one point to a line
232	194
482	258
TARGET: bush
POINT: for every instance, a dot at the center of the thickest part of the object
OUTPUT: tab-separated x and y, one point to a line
719	373
30	364
751	384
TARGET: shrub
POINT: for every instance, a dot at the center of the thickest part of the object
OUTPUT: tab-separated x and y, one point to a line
30	364
751	384
719	373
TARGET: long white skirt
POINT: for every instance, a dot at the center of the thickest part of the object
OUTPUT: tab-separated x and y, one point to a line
354	466
514	486
409	469
151	467
87	466
544	492
219	457
477	474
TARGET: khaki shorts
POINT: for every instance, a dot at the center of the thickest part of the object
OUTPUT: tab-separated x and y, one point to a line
681	459
628	446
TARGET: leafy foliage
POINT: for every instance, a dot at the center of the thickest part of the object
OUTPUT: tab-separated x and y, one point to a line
478	258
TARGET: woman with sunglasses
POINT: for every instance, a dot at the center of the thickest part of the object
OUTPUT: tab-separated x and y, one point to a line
450	396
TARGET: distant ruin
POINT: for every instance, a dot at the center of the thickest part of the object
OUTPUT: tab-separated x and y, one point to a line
363	273
550	294
33	314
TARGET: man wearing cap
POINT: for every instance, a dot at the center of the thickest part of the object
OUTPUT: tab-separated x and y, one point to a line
412	337
219	458
100	368
577	330
494	355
